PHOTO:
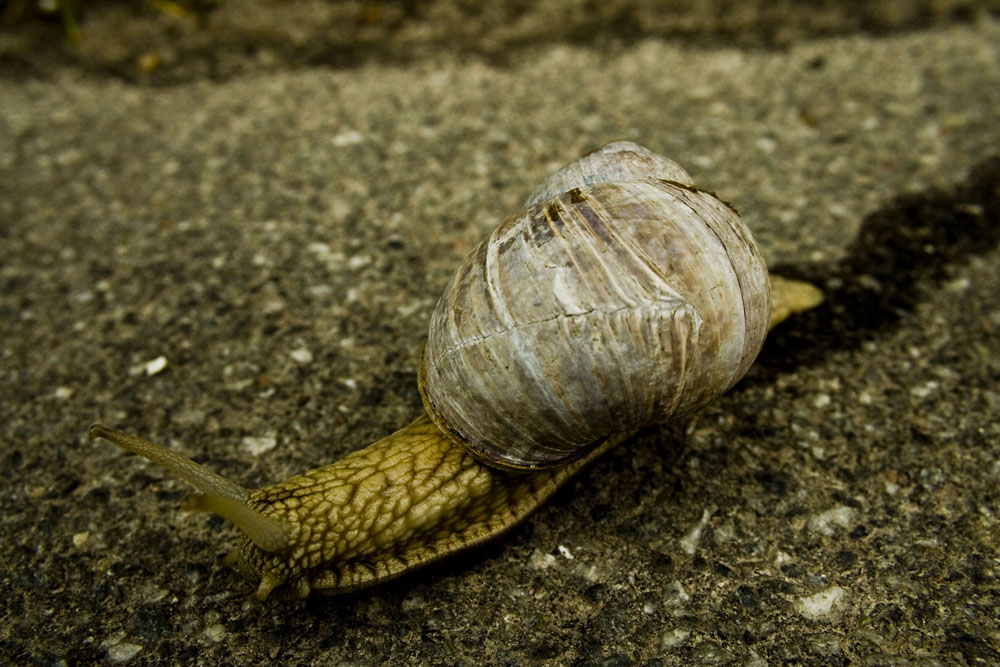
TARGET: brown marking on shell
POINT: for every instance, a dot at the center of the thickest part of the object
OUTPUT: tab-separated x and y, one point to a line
617	161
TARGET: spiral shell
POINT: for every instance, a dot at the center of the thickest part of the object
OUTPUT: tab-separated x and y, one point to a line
620	297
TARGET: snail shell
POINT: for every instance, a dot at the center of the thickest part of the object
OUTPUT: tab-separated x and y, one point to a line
620	297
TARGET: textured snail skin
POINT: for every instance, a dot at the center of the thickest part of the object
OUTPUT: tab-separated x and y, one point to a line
404	501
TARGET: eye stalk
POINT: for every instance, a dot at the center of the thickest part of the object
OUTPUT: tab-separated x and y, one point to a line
218	495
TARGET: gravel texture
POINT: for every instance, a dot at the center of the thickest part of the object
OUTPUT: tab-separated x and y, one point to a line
243	267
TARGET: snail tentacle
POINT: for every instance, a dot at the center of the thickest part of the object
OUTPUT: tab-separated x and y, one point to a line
219	495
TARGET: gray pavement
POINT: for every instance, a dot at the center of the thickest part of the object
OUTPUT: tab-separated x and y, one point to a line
243	267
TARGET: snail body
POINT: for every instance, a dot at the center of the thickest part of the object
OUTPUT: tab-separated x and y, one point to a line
621	296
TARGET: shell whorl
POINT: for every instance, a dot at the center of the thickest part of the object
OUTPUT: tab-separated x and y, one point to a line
617	161
623	300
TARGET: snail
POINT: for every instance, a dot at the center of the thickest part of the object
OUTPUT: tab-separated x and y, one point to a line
620	296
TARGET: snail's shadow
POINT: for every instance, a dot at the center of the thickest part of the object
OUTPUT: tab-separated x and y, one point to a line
900	250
